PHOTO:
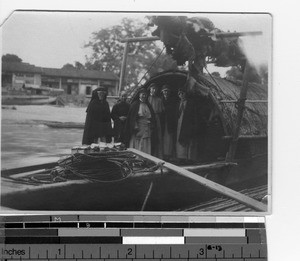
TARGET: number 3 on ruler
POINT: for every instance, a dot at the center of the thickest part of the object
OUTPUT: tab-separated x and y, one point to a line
201	251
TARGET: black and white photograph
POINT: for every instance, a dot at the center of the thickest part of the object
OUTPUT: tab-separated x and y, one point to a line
136	112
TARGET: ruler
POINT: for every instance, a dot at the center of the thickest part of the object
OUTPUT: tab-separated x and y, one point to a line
132	238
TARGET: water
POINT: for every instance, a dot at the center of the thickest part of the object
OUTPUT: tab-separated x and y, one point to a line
25	140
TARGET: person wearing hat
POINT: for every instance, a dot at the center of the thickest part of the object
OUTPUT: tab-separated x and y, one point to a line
169	123
186	125
158	108
119	115
139	125
98	121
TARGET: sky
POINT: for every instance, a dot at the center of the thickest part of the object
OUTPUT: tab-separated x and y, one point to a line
52	39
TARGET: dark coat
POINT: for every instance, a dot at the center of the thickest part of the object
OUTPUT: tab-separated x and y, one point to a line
169	117
131	120
98	121
118	110
188	129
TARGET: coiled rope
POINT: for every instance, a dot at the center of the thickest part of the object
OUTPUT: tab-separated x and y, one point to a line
109	165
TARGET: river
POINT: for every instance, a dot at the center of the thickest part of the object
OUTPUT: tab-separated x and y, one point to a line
25	140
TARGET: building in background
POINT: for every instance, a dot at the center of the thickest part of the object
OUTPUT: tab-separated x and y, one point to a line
79	82
16	74
74	85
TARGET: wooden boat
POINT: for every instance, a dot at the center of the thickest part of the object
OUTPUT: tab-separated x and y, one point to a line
64	125
27	99
31	95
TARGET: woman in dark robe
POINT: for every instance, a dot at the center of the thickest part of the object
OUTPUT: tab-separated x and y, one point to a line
98	121
119	115
158	108
186	143
169	122
140	124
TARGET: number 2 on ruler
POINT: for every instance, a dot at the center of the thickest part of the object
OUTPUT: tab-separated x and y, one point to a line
129	252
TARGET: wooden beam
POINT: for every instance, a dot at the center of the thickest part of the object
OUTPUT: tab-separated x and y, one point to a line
207	183
123	68
193	168
139	39
8	172
235	34
250	101
246	137
218	35
215	165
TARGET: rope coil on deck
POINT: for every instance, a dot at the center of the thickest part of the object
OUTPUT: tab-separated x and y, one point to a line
108	165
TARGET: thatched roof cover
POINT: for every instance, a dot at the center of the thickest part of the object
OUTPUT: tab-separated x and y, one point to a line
255	120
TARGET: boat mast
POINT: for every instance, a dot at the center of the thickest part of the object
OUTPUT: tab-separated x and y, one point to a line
125	54
123	67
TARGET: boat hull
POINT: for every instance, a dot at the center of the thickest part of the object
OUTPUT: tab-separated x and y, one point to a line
27	100
166	191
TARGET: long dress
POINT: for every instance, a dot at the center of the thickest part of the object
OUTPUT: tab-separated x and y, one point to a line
118	110
169	125
97	123
158	108
186	145
139	125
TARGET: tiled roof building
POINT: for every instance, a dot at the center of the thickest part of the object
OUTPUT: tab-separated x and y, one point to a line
72	81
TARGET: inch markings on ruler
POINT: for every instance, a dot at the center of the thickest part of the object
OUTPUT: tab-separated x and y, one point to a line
118	252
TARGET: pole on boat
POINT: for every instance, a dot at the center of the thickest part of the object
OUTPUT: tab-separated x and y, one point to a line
240	112
140	39
207	183
123	67
124	61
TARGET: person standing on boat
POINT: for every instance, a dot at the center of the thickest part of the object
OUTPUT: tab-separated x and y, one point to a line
169	123
119	115
158	108
140	124
186	145
98	121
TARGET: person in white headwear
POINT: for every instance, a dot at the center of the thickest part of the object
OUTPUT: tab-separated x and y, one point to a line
140	124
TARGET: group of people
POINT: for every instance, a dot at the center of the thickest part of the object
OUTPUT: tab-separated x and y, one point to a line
162	125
